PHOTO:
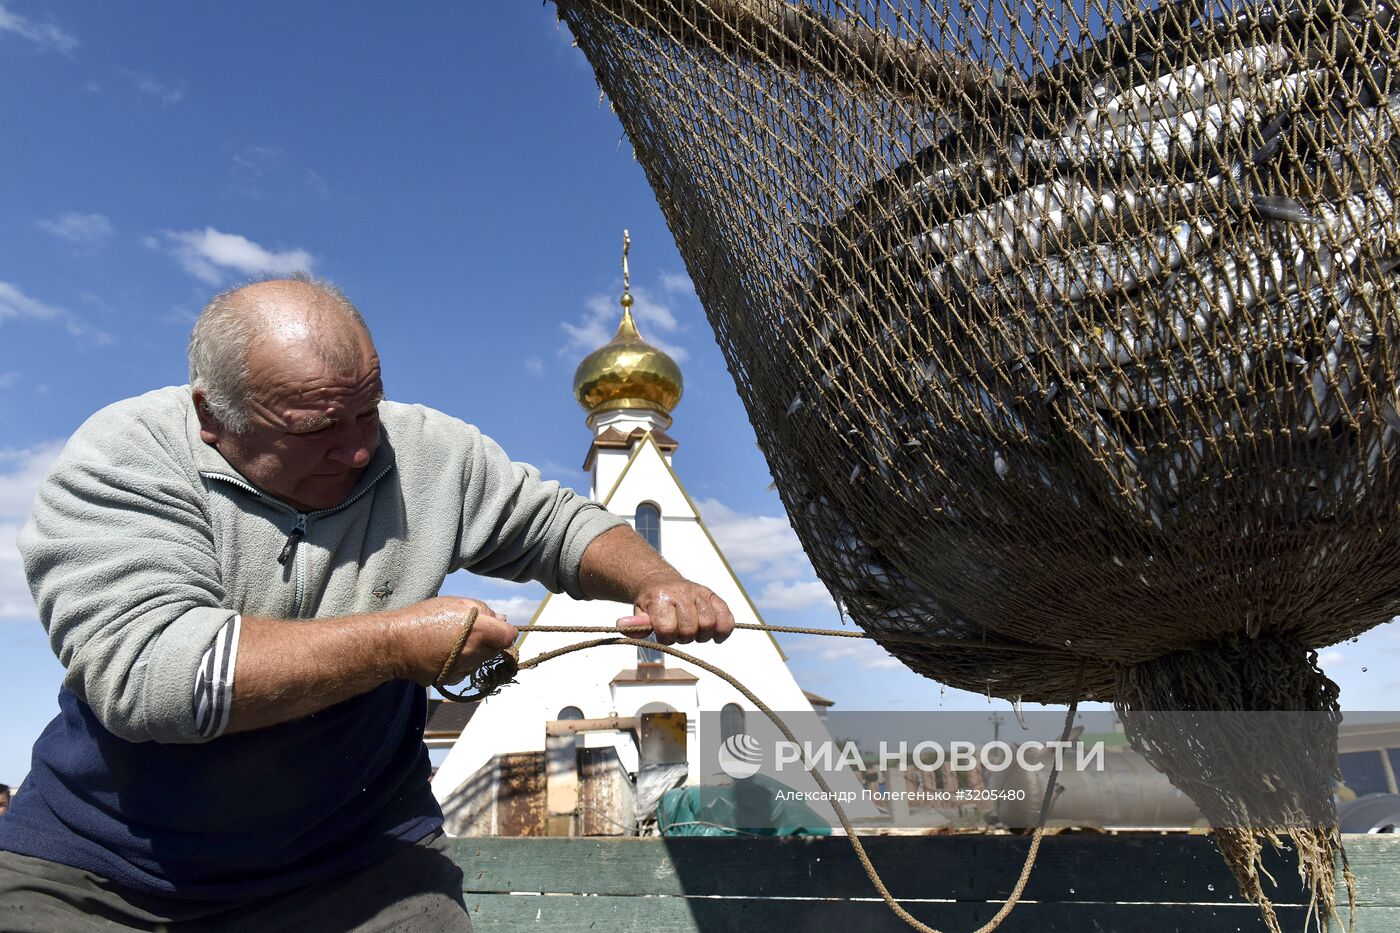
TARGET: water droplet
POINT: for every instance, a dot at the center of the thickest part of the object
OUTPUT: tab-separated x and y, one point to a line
1071	890
1210	887
1068	642
1363	670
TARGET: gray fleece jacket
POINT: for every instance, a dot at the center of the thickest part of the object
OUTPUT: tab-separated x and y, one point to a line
144	542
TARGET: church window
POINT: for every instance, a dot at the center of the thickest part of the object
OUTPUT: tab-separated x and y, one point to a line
649	527
731	721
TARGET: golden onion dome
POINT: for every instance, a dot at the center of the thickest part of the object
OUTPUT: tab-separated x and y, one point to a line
627	372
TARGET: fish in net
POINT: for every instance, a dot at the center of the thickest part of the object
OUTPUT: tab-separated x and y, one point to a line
1069	333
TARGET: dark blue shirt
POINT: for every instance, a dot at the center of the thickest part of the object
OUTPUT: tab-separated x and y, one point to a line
241	817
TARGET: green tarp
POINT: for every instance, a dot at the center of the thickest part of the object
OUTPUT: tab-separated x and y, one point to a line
752	806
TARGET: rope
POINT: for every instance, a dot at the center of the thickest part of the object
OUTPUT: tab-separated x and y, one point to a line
500	670
457	648
493	673
911	637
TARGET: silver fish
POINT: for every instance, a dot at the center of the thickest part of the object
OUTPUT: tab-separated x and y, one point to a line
1149	147
1189	88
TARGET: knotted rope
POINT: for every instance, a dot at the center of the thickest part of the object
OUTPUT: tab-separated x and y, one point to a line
502	669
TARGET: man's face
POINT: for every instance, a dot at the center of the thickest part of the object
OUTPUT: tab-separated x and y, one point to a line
313	428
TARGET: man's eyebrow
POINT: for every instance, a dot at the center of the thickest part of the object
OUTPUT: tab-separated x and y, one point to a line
314	423
318	422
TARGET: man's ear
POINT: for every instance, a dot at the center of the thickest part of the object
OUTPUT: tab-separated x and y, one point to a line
209	428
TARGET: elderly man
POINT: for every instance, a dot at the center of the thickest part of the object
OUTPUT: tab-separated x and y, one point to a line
240	577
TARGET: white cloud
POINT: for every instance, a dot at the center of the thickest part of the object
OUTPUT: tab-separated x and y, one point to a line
167	92
534	365
568	47
254	166
8	378
266	170
179	317
97	301
861	652
210	255
1364	668
804	594
656	320
46	36
766	549
516	609
21	471
553	469
764	546
516	601
313	180
84	229
259	160
676	283
16	305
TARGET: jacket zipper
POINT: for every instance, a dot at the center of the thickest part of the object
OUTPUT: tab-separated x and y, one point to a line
289	548
296	534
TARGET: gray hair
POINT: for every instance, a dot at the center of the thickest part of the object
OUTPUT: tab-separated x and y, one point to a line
224	333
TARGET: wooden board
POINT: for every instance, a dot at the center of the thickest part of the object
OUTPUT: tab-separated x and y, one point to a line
503	913
1080	882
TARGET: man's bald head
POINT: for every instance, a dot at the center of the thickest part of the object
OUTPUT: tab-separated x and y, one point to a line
288	319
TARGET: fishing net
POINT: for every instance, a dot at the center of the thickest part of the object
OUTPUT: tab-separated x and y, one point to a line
1069	333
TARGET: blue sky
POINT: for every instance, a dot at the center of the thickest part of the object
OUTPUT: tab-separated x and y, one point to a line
451	166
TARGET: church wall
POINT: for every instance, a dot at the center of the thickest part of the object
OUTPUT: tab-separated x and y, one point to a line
513	721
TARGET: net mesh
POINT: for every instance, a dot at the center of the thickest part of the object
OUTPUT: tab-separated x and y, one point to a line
1068	329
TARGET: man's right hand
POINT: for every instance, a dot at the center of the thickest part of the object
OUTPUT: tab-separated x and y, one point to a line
428	631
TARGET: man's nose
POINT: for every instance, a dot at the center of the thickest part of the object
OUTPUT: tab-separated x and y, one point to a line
351	447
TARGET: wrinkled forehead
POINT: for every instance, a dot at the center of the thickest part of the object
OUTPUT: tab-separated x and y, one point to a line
301	362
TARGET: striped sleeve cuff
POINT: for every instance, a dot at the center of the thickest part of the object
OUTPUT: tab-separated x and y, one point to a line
213	684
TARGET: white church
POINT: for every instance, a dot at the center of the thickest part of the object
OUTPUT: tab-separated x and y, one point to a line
491	781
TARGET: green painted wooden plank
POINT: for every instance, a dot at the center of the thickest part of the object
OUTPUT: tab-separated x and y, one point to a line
502	913
1171	869
1370	919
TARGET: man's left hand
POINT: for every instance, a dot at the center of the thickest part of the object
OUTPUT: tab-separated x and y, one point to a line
678	610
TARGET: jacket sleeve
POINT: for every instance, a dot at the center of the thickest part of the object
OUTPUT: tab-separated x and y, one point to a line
518	526
120	558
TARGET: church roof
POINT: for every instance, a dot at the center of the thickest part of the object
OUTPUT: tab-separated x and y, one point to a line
657	673
613	439
637	450
627	372
446	720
